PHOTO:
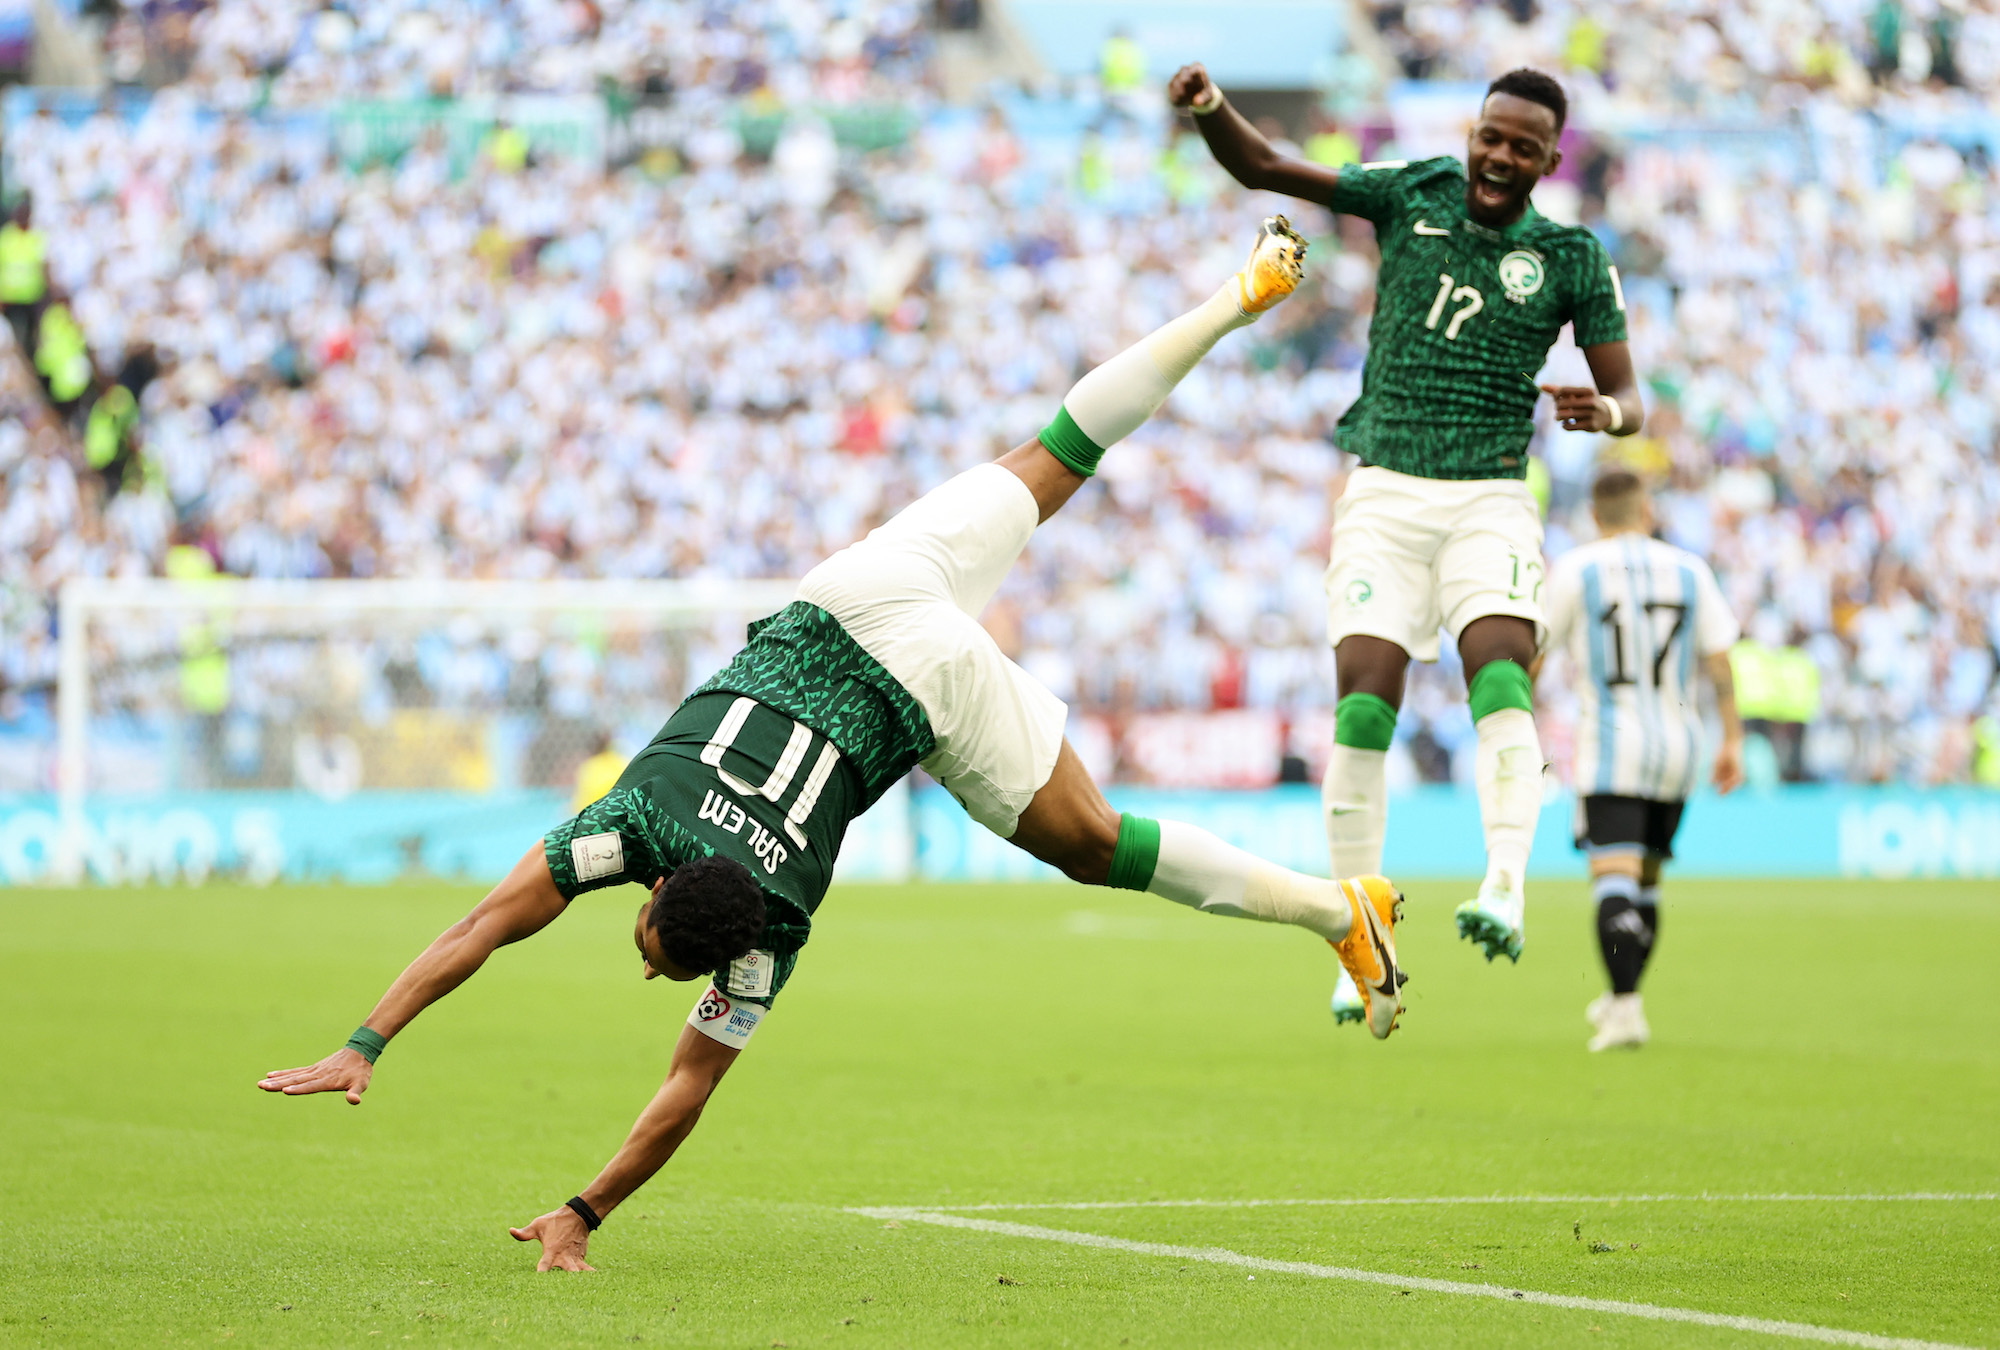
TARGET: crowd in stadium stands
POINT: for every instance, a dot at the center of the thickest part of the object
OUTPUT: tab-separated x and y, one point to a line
718	363
239	54
1743	57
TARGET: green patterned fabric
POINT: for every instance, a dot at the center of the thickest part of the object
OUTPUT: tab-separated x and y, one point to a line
1464	317
766	763
802	662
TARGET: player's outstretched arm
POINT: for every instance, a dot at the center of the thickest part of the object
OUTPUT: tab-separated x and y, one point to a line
520	906
1613	406
1240	148
699	1063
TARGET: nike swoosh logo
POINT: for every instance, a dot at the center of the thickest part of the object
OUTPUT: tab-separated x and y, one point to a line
1423	228
1387	986
1343	809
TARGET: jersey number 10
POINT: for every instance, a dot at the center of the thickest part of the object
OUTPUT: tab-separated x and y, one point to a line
782	773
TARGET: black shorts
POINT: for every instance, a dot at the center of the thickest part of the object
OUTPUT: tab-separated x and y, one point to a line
1614	822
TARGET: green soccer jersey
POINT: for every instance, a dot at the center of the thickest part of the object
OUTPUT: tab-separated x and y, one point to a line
1464	317
766	763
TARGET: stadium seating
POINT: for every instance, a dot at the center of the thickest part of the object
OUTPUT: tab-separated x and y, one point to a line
712	361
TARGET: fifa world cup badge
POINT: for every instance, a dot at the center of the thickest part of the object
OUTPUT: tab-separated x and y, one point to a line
597	855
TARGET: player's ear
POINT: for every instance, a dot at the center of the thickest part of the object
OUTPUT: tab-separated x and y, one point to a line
1555	160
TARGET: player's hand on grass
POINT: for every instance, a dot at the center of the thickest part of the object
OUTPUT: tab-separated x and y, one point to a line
564	1239
1728	767
1578	407
342	1071
1190	85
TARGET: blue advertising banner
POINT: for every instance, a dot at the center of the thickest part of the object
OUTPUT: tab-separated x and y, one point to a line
1433	832
363	837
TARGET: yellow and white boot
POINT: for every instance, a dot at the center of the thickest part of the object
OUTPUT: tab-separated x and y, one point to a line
1368	952
1277	265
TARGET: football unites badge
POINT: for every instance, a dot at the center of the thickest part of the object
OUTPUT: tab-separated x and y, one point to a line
1521	273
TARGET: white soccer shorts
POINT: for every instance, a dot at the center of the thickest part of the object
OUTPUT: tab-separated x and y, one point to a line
1413	554
911	594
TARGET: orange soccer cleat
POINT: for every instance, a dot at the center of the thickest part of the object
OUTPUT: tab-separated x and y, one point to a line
1277	265
1369	950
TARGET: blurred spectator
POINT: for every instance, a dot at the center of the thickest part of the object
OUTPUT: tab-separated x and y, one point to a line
24	278
599	773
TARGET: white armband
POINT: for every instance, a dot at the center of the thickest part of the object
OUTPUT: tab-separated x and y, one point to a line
1612	411
725	1019
1202	107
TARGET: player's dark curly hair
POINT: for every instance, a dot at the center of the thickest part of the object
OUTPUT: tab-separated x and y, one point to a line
708	913
1535	87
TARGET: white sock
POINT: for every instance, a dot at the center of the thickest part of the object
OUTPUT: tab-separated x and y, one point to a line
1509	774
1354	799
1199	870
1110	402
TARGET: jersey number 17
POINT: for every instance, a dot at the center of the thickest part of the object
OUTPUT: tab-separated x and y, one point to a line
1614	638
1473	303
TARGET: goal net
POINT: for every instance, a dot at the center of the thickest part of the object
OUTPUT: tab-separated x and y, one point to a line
359	730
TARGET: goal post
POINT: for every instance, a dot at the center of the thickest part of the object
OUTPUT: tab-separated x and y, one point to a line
362	729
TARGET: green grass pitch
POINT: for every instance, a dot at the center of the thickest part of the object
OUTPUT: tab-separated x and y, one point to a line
954	1046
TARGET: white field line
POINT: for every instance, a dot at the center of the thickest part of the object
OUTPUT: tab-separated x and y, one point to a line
1222	1256
1775	1197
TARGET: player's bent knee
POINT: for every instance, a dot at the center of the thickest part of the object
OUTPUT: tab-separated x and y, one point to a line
1069	825
1371	665
1496	637
1081	847
1497	685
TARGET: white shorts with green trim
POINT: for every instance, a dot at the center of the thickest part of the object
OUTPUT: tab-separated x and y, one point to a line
911	594
1411	555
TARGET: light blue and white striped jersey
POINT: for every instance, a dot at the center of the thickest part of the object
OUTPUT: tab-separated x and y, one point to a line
1635	616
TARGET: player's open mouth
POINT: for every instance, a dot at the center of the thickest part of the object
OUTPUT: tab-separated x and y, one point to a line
1489	192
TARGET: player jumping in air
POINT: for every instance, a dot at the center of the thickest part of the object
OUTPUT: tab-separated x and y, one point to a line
1637	616
739	804
1438	527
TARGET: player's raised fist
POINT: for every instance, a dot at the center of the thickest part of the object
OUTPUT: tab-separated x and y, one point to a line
1189	86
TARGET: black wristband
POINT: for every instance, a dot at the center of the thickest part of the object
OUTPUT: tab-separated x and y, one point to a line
584	1212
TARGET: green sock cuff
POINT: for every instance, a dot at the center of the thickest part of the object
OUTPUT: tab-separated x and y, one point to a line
1364	722
1137	854
1066	441
1497	685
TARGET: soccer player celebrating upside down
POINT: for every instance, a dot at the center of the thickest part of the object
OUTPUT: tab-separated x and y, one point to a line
1438	528
735	812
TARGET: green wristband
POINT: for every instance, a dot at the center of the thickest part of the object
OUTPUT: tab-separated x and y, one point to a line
368	1043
